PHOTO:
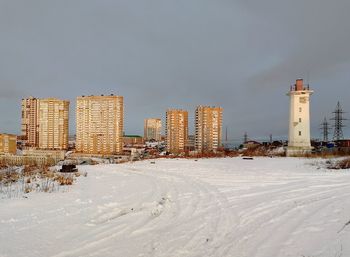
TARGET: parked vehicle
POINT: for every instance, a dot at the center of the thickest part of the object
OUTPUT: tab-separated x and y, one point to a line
68	168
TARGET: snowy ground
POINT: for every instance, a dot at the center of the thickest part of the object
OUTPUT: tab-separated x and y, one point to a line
219	207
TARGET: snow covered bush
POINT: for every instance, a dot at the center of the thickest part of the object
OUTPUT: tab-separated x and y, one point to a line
17	181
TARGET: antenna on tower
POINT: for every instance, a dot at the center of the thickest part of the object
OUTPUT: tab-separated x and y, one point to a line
338	123
325	130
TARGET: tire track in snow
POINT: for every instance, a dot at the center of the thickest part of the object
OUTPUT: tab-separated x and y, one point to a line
209	208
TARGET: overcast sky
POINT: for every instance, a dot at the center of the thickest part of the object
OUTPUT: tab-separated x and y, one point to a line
239	54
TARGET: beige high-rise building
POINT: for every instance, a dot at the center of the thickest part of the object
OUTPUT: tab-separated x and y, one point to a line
8	144
176	130
29	127
208	128
100	122
45	123
153	129
53	118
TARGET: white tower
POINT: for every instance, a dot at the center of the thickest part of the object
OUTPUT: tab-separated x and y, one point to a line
299	120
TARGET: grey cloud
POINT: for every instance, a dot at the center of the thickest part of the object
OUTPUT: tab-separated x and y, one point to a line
8	91
158	54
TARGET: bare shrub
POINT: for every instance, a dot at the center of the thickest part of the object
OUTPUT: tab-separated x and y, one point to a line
257	151
122	161
231	153
64	180
323	155
11	177
339	164
14	182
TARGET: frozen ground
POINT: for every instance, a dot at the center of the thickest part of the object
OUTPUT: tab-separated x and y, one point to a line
221	207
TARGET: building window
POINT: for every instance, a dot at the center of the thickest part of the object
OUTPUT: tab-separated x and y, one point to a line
299	119
299	133
300	109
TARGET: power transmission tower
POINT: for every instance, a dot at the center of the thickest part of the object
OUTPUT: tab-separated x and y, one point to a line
245	140
325	130
338	123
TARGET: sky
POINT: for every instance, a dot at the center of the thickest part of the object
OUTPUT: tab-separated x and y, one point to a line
242	55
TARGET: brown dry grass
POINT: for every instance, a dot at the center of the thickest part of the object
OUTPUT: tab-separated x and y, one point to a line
14	183
323	155
255	152
9	177
64	180
3	166
340	164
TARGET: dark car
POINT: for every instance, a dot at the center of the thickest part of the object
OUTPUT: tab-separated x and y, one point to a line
68	168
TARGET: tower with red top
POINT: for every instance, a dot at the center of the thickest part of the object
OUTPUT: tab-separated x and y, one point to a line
299	141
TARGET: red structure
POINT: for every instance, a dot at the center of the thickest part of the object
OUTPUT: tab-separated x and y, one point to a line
299	86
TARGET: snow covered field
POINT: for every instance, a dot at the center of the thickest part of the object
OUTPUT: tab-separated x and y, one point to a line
219	207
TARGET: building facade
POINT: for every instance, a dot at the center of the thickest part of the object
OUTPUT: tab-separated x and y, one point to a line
29	126
45	123
8	144
176	130
132	140
191	142
55	154
53	120
299	119
208	127
153	129
100	121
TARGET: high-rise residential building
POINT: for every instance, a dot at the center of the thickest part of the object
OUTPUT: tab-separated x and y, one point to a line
53	118
8	144
299	119
45	123
153	129
208	126
176	130
100	122
29	127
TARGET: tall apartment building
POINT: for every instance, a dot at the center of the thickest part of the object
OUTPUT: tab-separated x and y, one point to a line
45	123
176	130
208	128
100	122
153	129
8	144
29	126
53	119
